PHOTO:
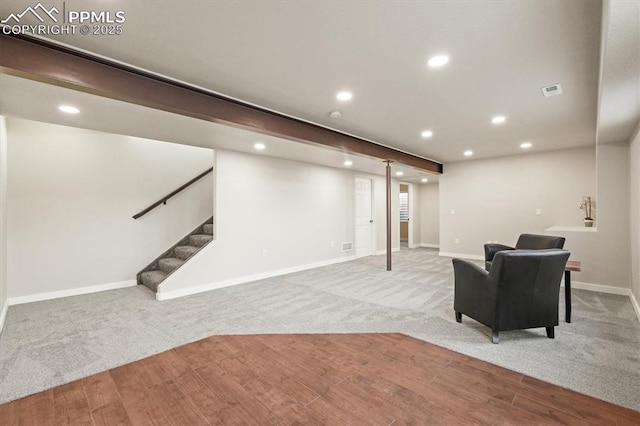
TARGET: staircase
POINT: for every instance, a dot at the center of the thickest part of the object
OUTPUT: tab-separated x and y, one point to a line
176	256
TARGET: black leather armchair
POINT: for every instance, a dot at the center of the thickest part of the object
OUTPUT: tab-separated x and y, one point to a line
525	242
521	290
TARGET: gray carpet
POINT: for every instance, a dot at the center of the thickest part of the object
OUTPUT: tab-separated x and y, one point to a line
49	343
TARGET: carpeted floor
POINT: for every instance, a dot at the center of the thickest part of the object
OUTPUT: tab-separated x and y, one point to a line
49	343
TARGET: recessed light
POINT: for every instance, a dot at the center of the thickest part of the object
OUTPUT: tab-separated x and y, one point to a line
335	114
426	134
399	173
259	146
498	119
438	61
348	163
69	109
344	96
424	180
526	145
468	153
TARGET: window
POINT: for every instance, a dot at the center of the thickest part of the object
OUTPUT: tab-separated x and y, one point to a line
404	206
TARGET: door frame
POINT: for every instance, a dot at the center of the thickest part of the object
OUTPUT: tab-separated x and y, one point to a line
410	189
374	243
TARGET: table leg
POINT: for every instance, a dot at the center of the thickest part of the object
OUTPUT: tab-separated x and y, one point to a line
567	295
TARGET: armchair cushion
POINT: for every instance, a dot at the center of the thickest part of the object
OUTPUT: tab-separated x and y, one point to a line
490	251
539	242
525	242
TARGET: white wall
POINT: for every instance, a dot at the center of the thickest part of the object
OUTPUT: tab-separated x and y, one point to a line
292	210
634	213
429	215
3	221
71	196
605	254
496	199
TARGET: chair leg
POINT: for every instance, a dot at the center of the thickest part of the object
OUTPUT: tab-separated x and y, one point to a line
551	332
458	316
494	337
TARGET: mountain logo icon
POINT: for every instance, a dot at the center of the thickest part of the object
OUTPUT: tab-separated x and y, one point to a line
38	11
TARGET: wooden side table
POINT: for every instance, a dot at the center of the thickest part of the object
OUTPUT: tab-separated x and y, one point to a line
576	266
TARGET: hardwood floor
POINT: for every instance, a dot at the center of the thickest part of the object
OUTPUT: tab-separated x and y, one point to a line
378	379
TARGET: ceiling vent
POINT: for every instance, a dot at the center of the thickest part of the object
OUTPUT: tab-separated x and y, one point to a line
553	90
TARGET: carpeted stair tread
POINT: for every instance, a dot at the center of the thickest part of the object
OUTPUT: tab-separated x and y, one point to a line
170	264
176	256
185	252
152	279
200	239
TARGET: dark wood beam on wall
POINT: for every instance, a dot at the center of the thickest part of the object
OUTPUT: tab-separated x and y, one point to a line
49	63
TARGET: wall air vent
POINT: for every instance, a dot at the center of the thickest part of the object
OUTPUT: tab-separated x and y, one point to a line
347	246
553	90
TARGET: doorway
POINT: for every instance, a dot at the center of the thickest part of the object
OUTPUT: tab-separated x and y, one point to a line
365	228
406	231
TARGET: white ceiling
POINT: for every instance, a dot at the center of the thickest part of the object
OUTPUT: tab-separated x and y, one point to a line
619	110
111	116
293	57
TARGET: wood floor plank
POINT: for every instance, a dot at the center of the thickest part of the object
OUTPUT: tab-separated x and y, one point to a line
137	402
111	414
549	414
311	379
292	388
622	414
234	394
334	415
425	409
202	396
241	372
173	405
321	362
34	409
476	383
356	405
209	404
278	402
100	390
71	406
292	368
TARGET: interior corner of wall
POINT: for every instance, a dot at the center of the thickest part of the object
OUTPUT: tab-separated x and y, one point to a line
4	309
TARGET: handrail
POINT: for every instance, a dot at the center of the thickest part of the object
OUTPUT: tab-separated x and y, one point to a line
164	199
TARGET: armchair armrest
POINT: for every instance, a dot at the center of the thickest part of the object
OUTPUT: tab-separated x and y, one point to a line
490	250
466	271
474	294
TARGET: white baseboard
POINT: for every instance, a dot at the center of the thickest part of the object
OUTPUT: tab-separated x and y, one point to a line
71	292
166	295
381	252
600	288
461	255
636	306
428	245
3	315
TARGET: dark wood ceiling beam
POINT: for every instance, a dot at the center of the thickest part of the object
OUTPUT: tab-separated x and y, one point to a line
53	64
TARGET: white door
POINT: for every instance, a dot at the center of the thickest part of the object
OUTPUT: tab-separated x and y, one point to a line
364	218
